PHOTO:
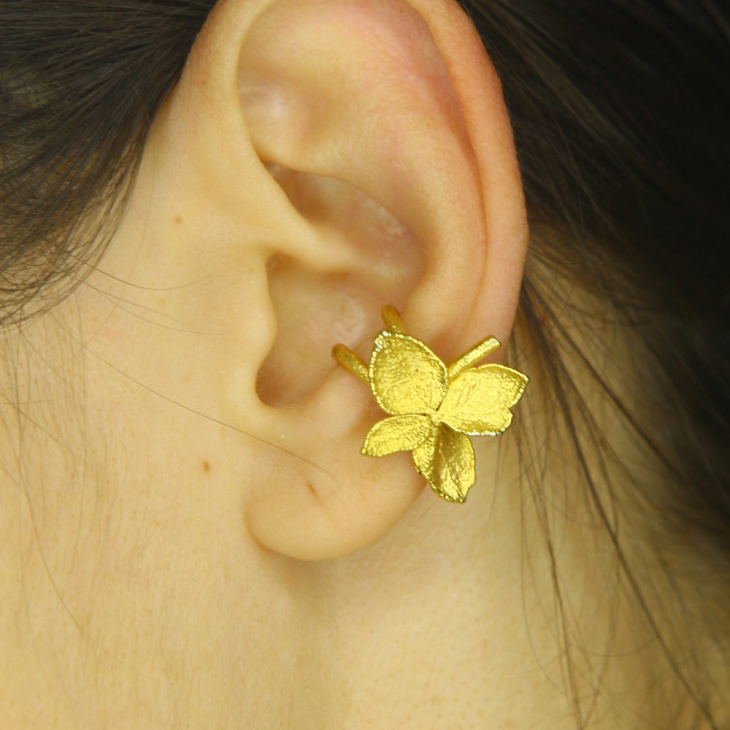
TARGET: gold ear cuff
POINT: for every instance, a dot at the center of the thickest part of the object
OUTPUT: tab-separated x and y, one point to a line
433	408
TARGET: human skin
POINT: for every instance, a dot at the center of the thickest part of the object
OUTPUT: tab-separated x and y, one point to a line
191	535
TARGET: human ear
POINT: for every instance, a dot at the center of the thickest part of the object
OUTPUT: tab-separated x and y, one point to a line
353	153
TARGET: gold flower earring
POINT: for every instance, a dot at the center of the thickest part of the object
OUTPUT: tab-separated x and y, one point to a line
433	408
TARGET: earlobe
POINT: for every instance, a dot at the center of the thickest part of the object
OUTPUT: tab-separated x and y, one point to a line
383	161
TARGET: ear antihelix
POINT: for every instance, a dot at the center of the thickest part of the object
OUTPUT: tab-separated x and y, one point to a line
433	409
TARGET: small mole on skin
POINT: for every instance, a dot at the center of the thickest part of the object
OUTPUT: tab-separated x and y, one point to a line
178	219
206	466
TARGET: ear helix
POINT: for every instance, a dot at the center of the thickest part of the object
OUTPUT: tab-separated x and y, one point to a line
433	409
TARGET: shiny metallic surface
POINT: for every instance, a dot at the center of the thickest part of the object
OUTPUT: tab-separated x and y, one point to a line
434	409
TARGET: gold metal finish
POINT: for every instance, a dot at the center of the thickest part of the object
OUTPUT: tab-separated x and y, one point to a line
348	359
434	409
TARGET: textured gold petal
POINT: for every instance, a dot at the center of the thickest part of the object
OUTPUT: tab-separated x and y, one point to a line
452	471
398	433
405	376
478	400
424	453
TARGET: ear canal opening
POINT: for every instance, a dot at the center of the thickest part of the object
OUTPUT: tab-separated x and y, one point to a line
314	310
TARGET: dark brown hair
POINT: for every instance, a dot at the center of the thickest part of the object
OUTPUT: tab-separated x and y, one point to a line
621	114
